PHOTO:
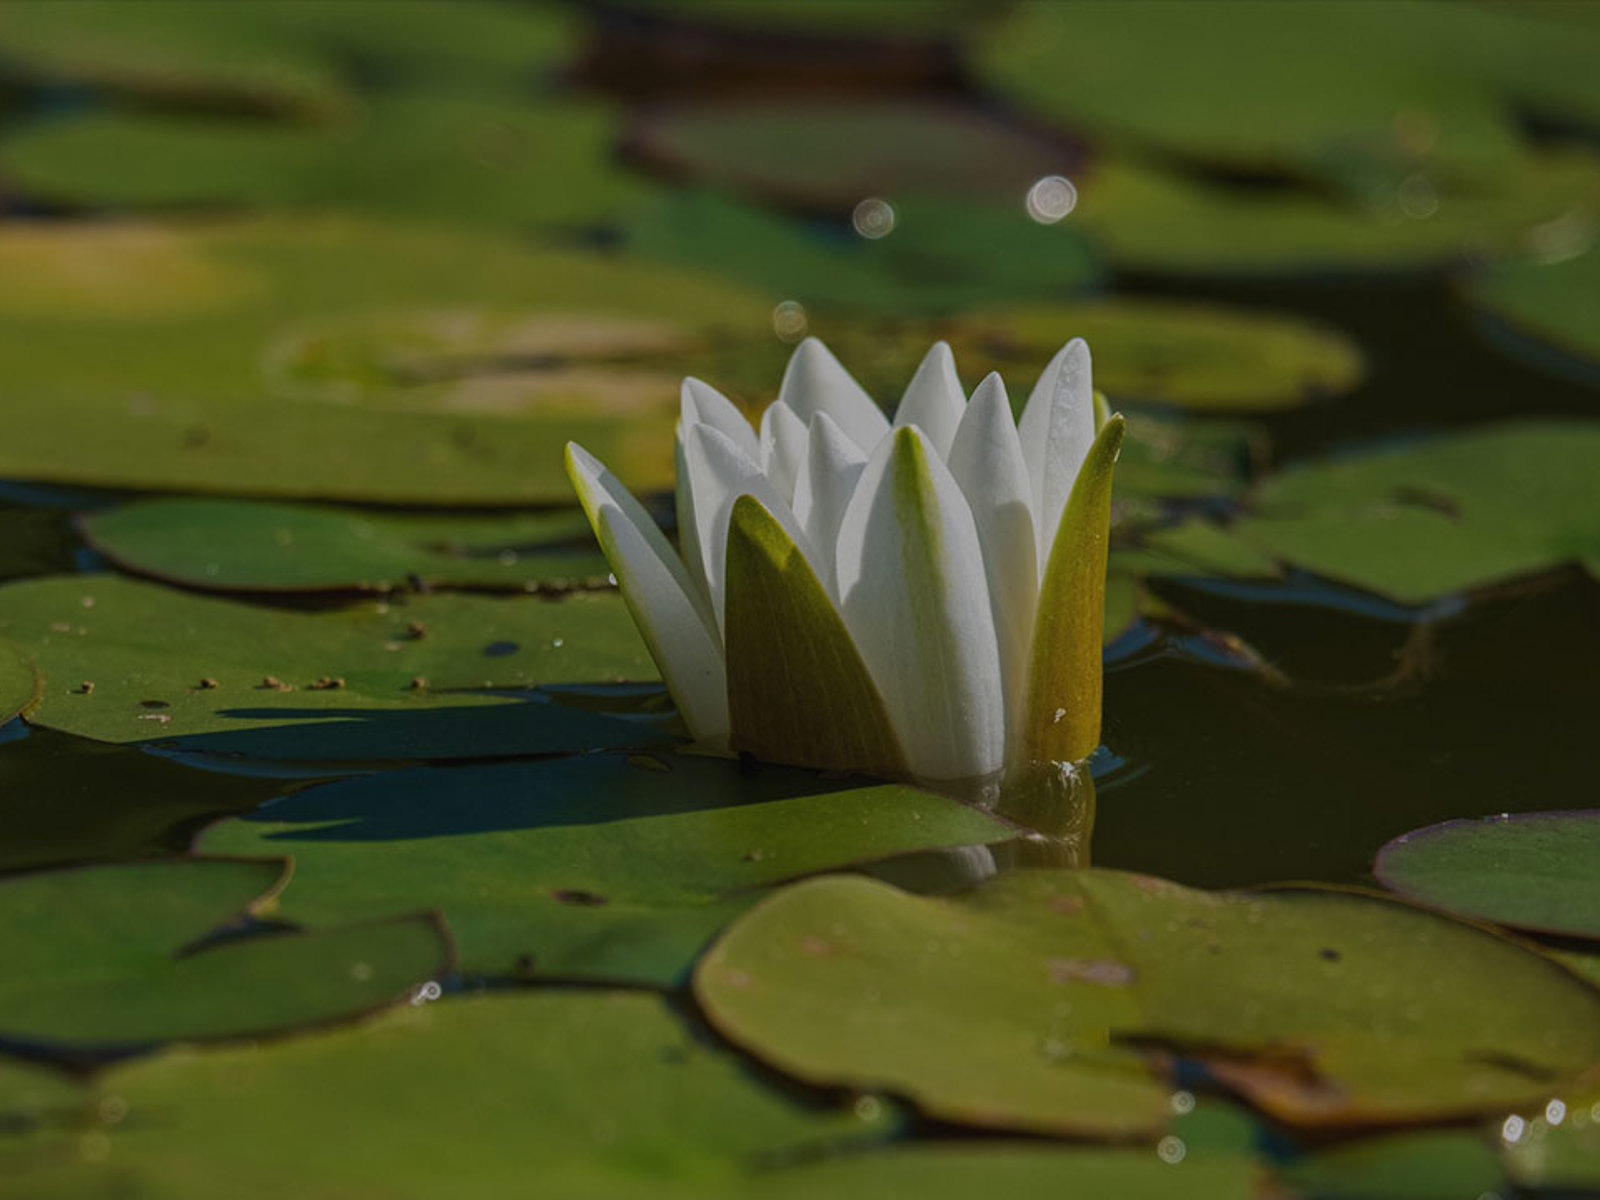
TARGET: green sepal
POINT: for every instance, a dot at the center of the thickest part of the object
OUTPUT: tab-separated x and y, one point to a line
1061	718
798	691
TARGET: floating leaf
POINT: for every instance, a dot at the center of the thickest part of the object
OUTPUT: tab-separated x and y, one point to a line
133	662
833	152
19	682
1539	301
273	384
1418	522
1439	1165
115	956
1143	219
64	800
1560	1157
1019	1006
1269	89
582	1093
239	545
942	254
440	155
260	54
590	867
1537	871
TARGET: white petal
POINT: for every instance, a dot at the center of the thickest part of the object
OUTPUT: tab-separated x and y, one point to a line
917	605
986	459
815	381
1057	429
675	622
828	476
783	446
934	400
702	404
688	527
719	474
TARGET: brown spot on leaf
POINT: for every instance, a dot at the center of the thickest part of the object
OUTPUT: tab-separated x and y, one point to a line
579	897
1107	972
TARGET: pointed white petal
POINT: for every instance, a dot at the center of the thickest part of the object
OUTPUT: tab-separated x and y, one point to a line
1057	429
986	460
815	381
688	528
719	474
702	404
934	400
916	601
783	446
828	476
676	624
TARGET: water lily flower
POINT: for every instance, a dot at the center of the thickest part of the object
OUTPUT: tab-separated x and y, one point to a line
917	599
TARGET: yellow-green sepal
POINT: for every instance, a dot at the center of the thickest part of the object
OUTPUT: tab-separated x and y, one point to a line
1102	410
798	691
1061	715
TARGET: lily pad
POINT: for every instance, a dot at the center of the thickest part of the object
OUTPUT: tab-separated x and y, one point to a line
132	662
1145	219
443	156
1022	1005
263	55
595	867
1538	871
239	545
1267	88
1540	300
251	389
1562	1156
942	253
584	1094
19	682
1434	1165
830	153
64	800
116	956
1417	522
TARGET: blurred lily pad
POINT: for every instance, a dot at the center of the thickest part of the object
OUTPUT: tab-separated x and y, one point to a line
240	545
928	254
128	661
1420	521
1537	871
306	59
1147	219
1268	87
234	396
1560	1157
1539	304
447	157
1431	1165
585	1094
595	867
19	682
829	153
1021	1005
116	956
64	800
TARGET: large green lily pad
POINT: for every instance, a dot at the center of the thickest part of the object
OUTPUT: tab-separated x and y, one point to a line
443	156
1418	522
598	866
1146	219
1021	1005
1431	1165
114	956
64	800
1268	87
830	153
1540	300
578	1094
1536	871
251	383
264	55
126	661
241	545
942	254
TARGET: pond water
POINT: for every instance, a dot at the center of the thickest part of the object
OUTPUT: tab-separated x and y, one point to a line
296	314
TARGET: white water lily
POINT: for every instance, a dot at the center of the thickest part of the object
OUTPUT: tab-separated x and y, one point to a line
921	599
